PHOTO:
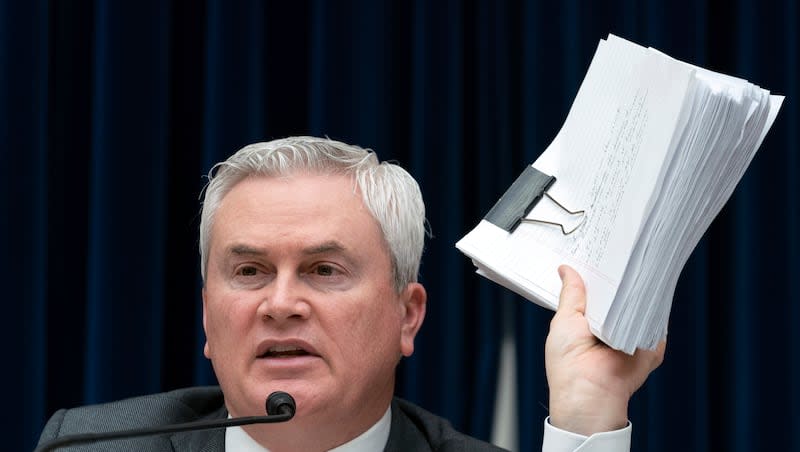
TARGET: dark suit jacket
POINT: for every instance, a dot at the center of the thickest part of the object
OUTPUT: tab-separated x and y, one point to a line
413	429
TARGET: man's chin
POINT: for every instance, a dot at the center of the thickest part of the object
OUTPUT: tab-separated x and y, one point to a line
308	395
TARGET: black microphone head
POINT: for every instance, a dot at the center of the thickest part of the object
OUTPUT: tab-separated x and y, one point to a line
280	402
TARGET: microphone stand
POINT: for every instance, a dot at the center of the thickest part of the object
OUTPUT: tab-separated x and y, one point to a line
278	401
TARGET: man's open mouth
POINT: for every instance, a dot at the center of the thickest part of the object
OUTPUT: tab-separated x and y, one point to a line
284	352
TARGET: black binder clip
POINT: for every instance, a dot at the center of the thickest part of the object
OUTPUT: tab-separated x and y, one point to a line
517	202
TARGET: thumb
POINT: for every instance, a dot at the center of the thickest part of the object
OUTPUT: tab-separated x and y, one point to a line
573	292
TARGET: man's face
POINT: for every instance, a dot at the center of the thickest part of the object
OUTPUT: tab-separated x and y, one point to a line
299	297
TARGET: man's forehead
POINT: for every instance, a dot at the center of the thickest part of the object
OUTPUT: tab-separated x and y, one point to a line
243	232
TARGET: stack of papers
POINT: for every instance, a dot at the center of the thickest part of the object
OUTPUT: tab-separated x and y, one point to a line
649	153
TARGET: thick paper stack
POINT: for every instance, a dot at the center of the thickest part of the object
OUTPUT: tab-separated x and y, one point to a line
651	150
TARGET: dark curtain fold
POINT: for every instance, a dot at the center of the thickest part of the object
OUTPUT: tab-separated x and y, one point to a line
112	112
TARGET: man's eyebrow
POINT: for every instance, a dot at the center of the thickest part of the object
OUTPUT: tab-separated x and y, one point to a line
330	246
246	250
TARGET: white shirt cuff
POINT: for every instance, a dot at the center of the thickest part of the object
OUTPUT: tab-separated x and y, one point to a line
557	440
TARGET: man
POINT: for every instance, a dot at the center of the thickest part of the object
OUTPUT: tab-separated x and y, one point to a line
310	250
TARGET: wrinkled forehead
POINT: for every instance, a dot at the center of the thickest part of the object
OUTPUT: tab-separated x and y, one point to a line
309	208
329	182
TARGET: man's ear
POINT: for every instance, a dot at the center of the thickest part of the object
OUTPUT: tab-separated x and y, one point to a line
414	299
206	351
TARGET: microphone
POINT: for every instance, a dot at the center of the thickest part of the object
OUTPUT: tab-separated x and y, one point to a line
280	408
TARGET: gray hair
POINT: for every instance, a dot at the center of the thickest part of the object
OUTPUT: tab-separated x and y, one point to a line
390	194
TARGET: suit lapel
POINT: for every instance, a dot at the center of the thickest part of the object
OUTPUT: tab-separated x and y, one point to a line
203	440
404	435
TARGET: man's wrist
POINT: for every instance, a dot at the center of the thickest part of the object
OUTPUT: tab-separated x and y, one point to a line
587	416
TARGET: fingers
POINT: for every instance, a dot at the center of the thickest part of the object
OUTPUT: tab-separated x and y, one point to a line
649	360
573	292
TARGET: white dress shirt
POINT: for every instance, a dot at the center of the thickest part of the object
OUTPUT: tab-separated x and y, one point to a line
557	440
236	439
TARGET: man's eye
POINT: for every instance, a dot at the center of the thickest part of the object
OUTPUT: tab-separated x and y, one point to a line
250	276
324	270
328	276
248	271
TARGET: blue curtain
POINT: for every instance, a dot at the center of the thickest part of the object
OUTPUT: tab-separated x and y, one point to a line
111	112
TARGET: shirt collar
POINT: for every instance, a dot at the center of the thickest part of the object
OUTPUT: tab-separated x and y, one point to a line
373	439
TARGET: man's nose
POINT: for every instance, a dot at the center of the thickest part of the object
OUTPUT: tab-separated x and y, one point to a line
285	298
